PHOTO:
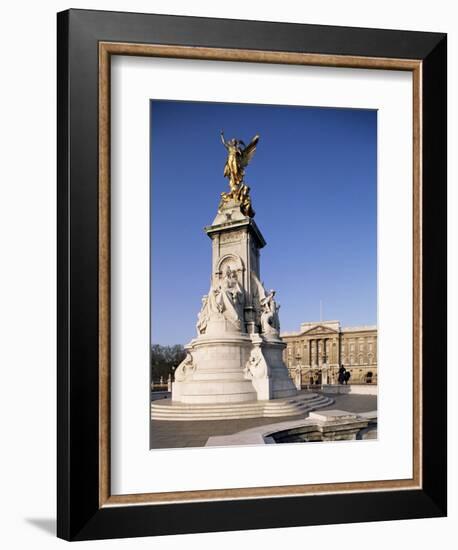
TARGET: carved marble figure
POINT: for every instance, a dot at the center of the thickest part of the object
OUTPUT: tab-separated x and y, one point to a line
203	316
185	368
270	322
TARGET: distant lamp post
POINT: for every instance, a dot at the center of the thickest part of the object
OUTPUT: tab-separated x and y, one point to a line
171	378
324	370
324	375
298	377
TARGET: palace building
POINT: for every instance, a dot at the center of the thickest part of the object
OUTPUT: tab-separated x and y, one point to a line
314	354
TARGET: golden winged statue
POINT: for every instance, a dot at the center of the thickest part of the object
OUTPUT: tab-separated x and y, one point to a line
238	158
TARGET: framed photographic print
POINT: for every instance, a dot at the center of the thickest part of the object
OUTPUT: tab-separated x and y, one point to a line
252	274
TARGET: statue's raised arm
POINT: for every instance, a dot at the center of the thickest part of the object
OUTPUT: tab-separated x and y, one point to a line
223	140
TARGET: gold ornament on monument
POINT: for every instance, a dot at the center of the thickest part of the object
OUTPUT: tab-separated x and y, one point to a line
238	158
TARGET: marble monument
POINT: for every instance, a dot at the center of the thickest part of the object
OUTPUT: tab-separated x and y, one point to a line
237	355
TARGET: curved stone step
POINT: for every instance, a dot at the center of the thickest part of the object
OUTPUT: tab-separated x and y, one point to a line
281	404
275	408
234	415
260	405
162	404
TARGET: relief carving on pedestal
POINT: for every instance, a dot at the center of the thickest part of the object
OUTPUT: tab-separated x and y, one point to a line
225	299
231	237
185	369
203	316
256	366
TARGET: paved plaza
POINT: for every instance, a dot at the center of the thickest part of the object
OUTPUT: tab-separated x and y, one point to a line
176	434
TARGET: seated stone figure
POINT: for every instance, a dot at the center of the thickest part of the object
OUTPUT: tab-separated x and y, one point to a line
225	301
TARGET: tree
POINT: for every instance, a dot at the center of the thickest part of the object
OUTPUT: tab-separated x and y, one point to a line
164	360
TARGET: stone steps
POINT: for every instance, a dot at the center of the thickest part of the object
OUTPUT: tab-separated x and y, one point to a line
275	408
277	404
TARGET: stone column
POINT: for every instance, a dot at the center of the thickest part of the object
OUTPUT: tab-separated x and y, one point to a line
335	358
324	362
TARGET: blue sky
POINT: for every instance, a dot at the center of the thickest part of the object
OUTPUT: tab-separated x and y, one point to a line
313	185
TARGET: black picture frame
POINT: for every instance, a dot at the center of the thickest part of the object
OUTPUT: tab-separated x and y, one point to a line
80	516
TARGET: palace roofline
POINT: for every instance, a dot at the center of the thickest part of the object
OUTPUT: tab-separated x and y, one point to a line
311	324
360	328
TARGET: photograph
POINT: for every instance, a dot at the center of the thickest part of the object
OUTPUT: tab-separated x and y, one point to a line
263	274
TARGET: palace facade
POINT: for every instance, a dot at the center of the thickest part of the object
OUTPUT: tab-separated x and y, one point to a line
318	349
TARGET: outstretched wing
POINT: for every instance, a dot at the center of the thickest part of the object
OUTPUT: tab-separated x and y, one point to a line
248	152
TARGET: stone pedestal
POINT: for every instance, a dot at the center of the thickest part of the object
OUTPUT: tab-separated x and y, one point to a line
237	354
219	376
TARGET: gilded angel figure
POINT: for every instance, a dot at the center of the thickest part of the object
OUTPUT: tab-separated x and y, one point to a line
238	158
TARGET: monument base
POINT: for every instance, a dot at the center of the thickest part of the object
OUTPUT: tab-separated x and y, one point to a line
232	368
217	374
281	385
236	358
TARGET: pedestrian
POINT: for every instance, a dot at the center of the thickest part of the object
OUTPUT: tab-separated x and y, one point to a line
341	377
